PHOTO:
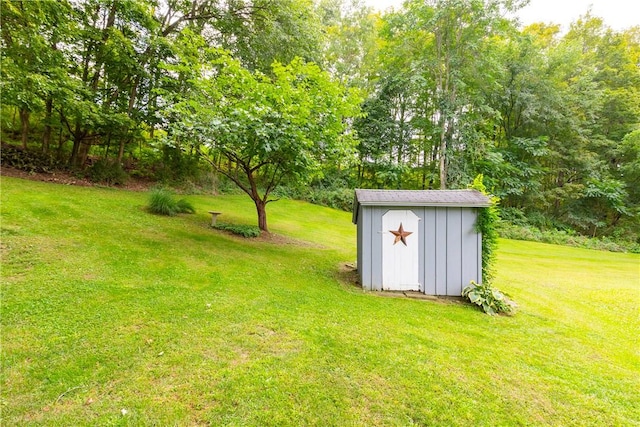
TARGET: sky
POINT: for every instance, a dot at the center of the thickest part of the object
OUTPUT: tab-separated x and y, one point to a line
617	14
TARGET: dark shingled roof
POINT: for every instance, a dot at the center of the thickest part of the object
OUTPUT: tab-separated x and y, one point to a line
445	198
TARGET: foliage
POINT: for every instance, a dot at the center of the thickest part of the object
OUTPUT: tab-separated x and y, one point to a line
487	224
182	326
563	237
543	127
260	131
174	166
184	206
340	198
107	171
239	229
337	198
491	300
28	160
162	202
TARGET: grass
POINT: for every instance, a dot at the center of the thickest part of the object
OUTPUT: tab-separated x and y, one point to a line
113	316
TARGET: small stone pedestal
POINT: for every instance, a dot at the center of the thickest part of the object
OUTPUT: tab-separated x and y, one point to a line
214	217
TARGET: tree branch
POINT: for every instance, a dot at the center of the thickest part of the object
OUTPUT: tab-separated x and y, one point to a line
233	177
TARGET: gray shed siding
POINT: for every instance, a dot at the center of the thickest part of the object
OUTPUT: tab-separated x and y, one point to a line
449	247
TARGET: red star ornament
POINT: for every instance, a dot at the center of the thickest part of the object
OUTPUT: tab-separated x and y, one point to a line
401	235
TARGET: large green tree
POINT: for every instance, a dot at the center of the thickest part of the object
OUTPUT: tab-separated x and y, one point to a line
34	70
262	130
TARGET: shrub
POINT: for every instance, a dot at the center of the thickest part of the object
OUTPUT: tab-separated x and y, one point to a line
491	300
336	198
162	202
567	238
108	172
241	230
341	198
173	165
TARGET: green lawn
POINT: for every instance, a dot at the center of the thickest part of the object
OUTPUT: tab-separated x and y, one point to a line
113	316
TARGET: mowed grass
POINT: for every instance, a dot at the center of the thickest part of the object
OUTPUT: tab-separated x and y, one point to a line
114	316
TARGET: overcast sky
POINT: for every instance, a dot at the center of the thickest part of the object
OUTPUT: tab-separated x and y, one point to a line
617	14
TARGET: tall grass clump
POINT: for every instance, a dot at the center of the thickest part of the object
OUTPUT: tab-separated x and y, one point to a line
162	202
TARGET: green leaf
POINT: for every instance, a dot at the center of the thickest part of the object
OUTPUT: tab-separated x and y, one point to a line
474	297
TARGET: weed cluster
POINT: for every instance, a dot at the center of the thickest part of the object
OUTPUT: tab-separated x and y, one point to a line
239	229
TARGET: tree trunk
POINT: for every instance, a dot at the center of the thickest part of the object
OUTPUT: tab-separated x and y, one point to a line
425	163
83	153
77	139
443	157
46	136
61	142
24	120
120	151
262	215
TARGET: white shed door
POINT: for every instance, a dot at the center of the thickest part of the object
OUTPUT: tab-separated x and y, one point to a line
400	265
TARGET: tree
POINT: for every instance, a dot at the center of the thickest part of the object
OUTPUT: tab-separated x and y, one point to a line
438	57
259	130
350	41
33	68
384	135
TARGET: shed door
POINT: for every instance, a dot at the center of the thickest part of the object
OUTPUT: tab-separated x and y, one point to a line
400	265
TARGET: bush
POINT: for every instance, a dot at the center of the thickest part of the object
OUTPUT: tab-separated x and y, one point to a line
491	300
336	198
173	165
341	198
241	230
566	238
162	202
108	172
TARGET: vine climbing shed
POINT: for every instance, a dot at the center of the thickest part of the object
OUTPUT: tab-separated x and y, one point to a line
418	240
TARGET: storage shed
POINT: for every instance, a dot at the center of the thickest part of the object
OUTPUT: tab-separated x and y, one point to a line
413	240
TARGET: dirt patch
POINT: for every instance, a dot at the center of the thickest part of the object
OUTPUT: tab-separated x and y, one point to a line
278	239
66	178
419	295
273	238
348	275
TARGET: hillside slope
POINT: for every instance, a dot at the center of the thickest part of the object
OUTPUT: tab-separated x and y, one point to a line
111	315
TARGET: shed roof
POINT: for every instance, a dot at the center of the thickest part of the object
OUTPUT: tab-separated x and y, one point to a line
443	198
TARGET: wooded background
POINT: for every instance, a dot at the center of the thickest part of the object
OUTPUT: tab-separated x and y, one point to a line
300	96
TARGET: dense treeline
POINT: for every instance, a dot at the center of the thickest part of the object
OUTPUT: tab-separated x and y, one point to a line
266	93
